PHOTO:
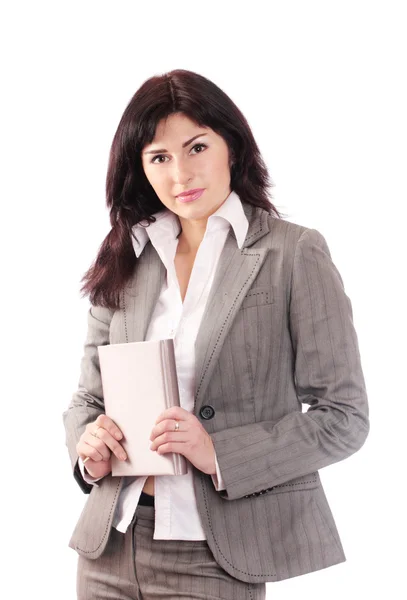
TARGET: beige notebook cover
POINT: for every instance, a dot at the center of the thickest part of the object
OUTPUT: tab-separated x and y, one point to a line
139	382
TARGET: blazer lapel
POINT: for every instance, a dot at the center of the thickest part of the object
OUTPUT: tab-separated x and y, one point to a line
236	271
142	294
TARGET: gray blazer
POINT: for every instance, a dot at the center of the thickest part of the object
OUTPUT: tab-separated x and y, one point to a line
277	333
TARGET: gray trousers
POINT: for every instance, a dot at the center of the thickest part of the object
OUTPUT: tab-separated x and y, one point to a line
136	567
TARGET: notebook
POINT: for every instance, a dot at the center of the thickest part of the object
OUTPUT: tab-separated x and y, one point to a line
139	381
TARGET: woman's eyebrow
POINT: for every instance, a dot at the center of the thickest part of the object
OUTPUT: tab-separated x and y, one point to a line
183	145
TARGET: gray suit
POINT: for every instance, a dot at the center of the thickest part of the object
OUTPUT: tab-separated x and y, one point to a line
277	332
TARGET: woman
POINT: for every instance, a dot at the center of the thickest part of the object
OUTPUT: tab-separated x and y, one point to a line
261	324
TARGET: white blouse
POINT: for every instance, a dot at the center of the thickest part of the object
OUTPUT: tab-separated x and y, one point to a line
176	514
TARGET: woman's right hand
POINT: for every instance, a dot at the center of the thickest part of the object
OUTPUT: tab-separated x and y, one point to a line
100	447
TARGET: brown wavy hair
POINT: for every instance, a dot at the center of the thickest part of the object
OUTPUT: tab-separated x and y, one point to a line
129	195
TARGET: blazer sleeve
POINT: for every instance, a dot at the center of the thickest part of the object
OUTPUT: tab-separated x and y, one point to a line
328	377
87	402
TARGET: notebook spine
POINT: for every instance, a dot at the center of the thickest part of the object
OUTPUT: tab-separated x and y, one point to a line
168	367
169	372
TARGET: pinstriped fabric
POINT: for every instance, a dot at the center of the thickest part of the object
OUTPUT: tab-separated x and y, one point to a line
112	576
134	566
277	334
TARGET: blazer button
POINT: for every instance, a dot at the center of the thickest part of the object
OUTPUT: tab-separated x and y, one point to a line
207	412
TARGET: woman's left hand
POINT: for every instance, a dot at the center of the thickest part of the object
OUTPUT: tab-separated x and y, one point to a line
191	439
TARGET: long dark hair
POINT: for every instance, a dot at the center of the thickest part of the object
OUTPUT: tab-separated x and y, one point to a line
129	195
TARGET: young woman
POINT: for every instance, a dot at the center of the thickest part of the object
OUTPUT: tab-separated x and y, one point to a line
261	324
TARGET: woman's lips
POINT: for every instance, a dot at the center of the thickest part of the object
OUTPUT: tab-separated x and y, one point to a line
190	197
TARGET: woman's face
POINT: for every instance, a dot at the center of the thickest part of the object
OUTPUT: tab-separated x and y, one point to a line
202	163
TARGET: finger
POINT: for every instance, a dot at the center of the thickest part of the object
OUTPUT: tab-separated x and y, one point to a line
86	450
110	426
98	443
87	440
168	437
110	443
167	425
177	447
103	441
174	412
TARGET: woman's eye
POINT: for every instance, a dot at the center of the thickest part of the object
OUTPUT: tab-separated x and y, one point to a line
203	146
158	156
153	160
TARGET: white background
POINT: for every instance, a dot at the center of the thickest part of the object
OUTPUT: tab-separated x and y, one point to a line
322	85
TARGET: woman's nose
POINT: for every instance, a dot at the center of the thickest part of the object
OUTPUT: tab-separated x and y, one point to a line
182	173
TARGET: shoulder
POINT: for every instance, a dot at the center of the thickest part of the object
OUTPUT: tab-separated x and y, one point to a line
283	238
281	229
288	236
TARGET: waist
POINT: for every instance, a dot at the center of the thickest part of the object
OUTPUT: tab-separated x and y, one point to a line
146	499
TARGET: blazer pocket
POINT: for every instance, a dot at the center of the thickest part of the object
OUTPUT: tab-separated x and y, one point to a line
258	296
304	482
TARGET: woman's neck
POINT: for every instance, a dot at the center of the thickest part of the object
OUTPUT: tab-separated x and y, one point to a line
191	236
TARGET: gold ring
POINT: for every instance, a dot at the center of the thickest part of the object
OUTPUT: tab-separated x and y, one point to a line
96	430
176	428
87	458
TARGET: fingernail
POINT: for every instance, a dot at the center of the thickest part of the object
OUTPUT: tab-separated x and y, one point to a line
123	456
118	435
